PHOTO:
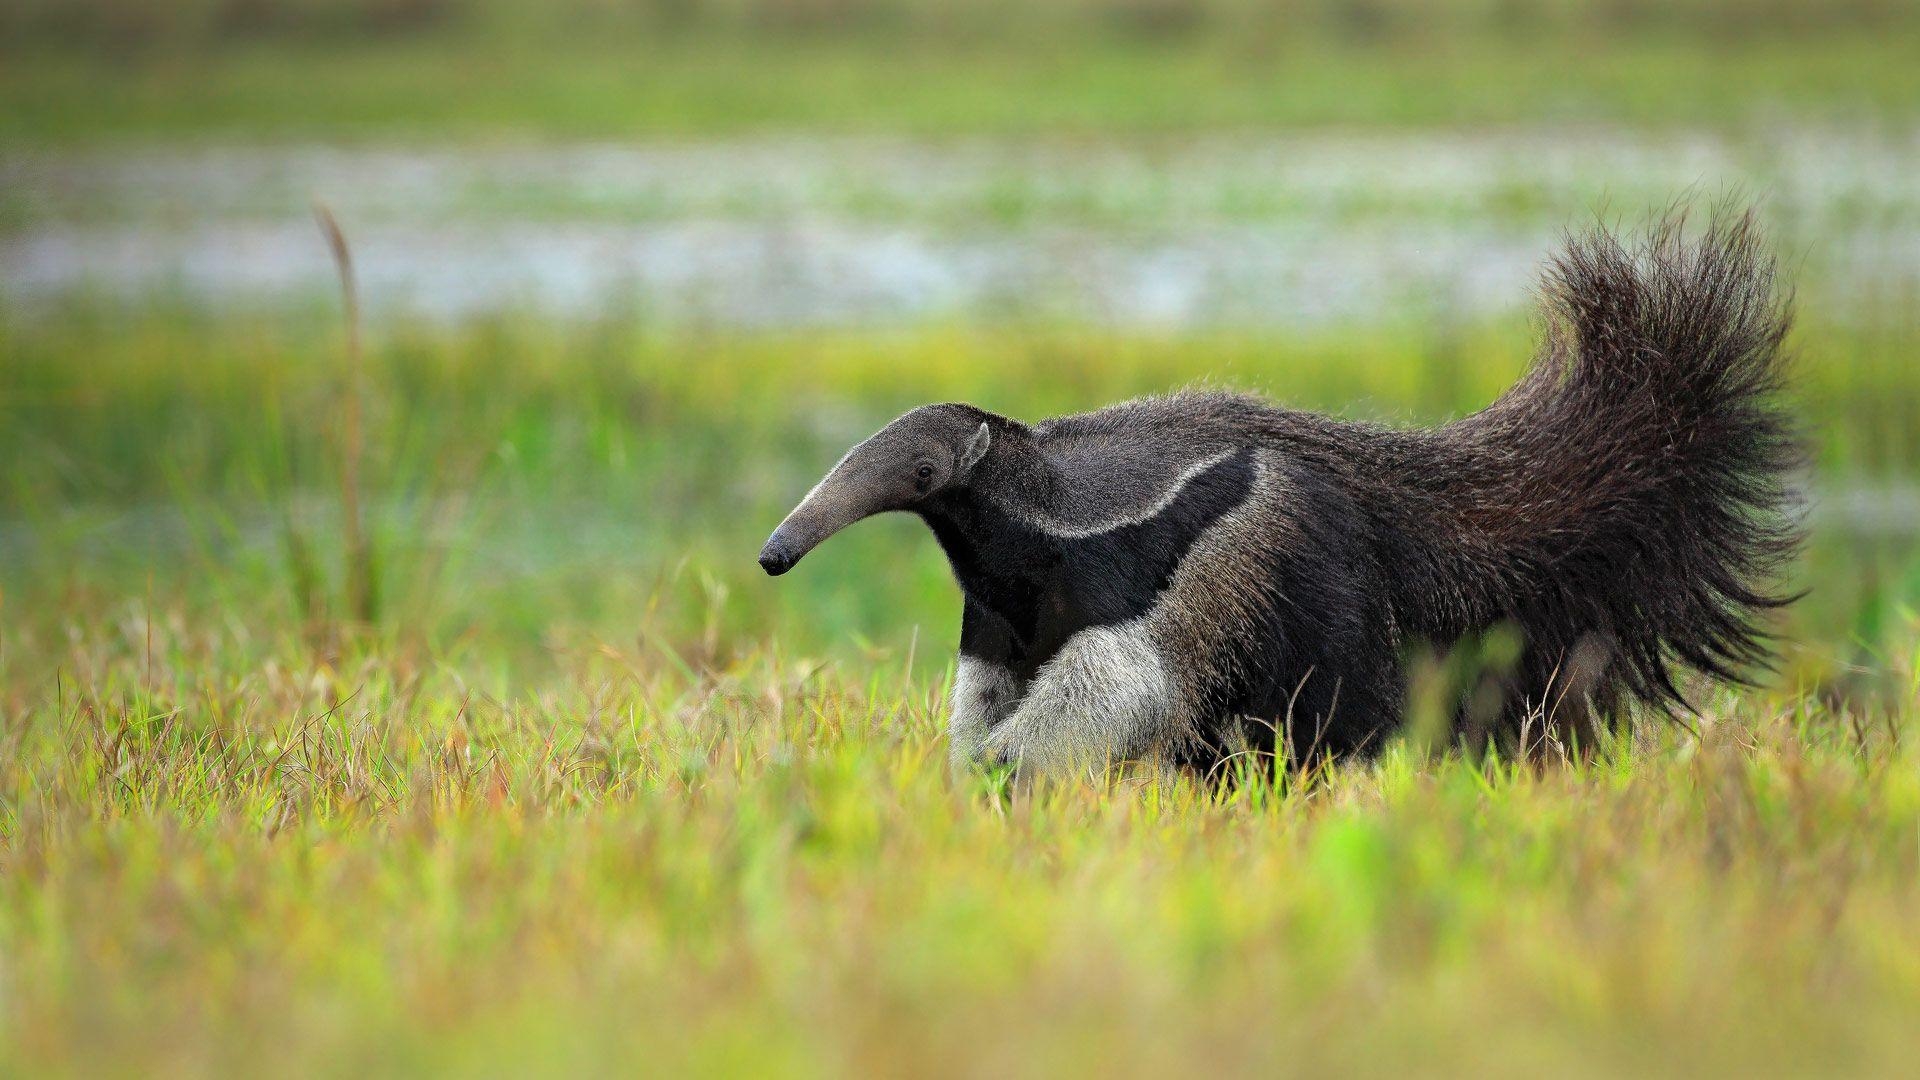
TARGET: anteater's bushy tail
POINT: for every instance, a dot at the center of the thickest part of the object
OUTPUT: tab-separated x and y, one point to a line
1631	489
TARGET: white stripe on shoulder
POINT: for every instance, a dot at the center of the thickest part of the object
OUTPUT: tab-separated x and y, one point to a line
1068	530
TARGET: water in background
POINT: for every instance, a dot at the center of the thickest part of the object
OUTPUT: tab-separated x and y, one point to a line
1177	232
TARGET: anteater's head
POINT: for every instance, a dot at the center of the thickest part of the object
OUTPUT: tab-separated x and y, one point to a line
928	451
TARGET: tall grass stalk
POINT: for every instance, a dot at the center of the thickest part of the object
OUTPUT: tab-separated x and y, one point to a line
361	584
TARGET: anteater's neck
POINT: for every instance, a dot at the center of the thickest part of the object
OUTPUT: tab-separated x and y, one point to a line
1002	562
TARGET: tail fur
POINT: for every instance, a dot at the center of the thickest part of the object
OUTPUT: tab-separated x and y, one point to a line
1631	488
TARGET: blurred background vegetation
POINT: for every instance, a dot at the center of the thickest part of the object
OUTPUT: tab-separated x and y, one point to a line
483	67
657	261
198	23
635	272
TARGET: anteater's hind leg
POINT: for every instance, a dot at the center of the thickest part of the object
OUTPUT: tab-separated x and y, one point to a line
1560	700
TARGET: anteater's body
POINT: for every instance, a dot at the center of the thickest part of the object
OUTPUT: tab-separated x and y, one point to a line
1190	575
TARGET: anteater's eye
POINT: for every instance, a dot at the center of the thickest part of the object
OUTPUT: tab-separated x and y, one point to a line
924	472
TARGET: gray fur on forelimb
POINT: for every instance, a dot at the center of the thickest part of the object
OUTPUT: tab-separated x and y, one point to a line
984	695
1104	698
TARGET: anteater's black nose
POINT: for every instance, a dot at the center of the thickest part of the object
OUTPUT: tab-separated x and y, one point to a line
776	558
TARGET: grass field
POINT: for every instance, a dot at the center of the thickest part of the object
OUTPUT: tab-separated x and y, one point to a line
521	765
222	854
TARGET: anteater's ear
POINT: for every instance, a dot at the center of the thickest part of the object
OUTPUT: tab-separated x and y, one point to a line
976	449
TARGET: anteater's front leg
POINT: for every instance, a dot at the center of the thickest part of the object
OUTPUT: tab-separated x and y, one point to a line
986	689
1105	697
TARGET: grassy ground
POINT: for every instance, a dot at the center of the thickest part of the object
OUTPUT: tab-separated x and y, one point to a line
222	853
586	790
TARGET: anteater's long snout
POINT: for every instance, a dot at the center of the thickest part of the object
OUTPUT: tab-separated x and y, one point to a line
793	539
835	504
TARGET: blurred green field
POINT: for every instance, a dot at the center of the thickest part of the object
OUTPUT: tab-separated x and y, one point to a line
526	472
535	772
100	69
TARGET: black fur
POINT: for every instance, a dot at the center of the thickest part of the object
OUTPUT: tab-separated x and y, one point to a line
1046	587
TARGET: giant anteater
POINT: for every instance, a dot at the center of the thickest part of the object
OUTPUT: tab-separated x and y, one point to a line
1186	577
